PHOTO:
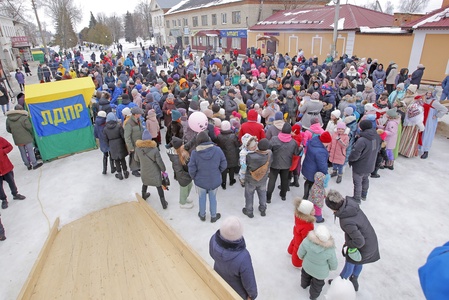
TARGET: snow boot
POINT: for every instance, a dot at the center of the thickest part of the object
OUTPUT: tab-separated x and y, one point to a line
295	181
425	155
339	177
119	176
164	203
214	219
126	173
354	281
145	195
245	212
390	163
4	204
105	165
112	163
334	173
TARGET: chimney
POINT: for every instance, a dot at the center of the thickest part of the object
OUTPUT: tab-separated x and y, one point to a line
445	3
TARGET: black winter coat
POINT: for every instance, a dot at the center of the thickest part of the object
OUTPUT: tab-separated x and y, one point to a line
181	172
283	153
358	232
229	143
417	76
115	138
364	153
254	161
104	105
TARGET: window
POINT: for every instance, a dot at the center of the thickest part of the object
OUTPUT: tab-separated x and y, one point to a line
168	23
204	20
224	43
195	41
179	22
236	43
235	17
224	18
195	21
184	22
173	23
186	40
214	19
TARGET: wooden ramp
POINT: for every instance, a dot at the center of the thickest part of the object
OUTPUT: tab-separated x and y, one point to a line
123	252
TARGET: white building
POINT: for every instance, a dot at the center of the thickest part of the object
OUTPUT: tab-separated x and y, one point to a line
158	9
13	43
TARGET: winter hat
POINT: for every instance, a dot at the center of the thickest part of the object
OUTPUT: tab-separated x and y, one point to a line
264	144
392	113
289	94
170	96
368	85
296	129
164	90
336	113
305	207
287	128
136	111
149	97
225	126
195	98
101	114
202	137
369	107
412	88
341	125
104	87
349	119
170	80
322	233
182	111
235	114
126	112
359	95
315	96
348	111
334	200
146	135
325	137
278	115
420	66
222	111
215	108
314	120
204	105
217	122
111	117
176	77
249	103
194	105
175	115
242	106
401	86
176	142
365	124
272	73
259	87
182	94
209	114
231	229
252	115
139	87
341	289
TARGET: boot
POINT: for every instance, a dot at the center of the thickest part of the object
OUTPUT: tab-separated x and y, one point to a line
295	181
126	173
339	177
307	186
374	174
214	219
105	165
145	195
113	168
4	204
164	203
425	155
354	281
334	173
119	176
390	163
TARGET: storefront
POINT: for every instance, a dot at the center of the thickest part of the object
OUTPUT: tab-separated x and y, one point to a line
206	40
21	47
234	39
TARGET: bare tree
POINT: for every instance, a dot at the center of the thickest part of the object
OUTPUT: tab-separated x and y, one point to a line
15	10
115	24
143	19
389	8
413	6
375	5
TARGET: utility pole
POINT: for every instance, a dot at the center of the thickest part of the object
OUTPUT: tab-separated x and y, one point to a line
336	17
33	4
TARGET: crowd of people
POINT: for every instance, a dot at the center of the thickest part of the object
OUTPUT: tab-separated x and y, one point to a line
262	118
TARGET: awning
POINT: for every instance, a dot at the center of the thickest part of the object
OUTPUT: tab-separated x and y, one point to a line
210	33
268	38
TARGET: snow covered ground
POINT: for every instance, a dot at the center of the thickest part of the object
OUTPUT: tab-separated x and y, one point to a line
406	207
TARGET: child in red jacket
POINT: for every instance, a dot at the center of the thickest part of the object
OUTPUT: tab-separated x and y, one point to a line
304	220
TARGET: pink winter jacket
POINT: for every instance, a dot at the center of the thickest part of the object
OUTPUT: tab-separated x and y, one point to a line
308	134
391	129
337	148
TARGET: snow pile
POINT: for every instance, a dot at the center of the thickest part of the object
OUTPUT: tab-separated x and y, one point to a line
391	30
434	18
175	8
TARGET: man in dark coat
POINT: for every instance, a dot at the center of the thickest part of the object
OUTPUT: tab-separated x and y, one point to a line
229	144
417	75
231	259
363	159
360	237
230	105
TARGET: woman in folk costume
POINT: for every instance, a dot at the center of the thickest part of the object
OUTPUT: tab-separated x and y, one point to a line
413	125
433	110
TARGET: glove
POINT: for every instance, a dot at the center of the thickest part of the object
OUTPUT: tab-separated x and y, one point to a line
354	254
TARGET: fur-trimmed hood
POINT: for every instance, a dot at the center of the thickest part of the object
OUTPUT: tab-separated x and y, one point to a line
314	239
146	144
14	115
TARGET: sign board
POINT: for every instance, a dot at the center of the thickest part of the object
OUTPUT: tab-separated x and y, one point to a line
271	33
19	41
233	33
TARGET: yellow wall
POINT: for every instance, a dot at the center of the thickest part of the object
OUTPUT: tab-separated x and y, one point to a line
385	48
435	56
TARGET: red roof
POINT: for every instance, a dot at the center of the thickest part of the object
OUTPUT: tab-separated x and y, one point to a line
437	19
322	18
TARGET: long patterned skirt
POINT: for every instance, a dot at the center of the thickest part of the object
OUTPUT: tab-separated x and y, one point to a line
408	146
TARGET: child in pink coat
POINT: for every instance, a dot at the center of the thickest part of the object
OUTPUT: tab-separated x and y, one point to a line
337	150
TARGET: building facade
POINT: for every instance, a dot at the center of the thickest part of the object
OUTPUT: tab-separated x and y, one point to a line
220	25
158	10
13	43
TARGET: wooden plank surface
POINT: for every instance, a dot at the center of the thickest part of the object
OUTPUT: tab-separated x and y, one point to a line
120	253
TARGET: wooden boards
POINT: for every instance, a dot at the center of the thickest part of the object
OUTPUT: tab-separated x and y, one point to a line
124	252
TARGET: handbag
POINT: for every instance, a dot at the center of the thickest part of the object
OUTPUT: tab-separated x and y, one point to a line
164	175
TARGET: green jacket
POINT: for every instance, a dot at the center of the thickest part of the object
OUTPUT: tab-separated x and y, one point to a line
133	132
19	125
318	257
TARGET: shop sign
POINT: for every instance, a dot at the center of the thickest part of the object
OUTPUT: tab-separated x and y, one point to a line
233	33
19	41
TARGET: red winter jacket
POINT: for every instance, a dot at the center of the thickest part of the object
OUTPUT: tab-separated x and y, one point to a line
300	232
5	164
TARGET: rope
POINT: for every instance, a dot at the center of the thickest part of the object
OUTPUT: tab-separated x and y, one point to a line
38	199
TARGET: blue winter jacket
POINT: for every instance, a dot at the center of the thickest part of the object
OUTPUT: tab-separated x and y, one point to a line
233	263
434	275
210	80
206	164
120	107
156	94
315	160
117	93
445	85
100	122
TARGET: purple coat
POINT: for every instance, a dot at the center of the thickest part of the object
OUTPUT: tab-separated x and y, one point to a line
20	78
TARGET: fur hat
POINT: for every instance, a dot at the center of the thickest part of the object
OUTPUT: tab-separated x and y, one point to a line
176	142
146	135
348	111
204	105
336	113
101	114
126	112
412	88
278	116
225	126
369	107
202	137
305	206
334	200
315	96
365	124
392	113
217	122
326	137
111	117
209	113
287	128
231	229
264	144
175	115
341	125
322	233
